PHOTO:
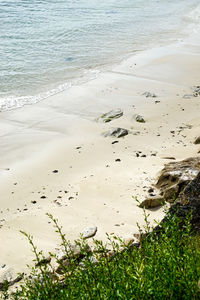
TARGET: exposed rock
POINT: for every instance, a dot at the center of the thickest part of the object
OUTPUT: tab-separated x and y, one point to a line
151	202
89	232
72	251
197	140
139	119
148	95
111	115
175	176
116	132
187	202
9	276
44	261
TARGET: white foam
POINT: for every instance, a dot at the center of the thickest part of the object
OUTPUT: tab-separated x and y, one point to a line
13	102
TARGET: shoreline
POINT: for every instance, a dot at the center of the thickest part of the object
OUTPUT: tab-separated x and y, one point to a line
91	187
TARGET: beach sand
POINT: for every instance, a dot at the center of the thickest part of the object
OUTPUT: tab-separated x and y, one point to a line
55	159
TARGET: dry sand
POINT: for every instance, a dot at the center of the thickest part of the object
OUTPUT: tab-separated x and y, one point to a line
91	187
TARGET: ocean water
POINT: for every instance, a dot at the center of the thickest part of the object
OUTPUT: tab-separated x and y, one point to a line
47	46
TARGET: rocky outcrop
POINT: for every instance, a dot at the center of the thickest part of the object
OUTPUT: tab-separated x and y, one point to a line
116	132
173	178
111	115
188	202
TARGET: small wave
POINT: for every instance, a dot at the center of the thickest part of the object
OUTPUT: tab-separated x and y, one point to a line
13	102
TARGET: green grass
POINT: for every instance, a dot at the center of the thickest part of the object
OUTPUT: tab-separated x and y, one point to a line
165	266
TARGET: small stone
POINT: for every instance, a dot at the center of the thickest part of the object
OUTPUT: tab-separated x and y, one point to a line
111	115
89	232
55	171
118	160
43	197
116	132
153	154
115	142
197	140
139	119
149	95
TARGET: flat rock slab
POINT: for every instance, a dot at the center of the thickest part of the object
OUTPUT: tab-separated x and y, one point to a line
111	115
89	232
116	132
151	202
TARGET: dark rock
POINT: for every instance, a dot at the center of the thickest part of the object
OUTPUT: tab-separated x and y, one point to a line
116	132
197	140
55	171
149	95
44	261
188	202
175	176
139	119
111	115
115	142
118	160
151	202
196	91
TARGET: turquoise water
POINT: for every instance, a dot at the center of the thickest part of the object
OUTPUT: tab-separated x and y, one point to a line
47	45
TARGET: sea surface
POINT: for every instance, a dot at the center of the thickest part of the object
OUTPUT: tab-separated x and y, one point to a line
47	46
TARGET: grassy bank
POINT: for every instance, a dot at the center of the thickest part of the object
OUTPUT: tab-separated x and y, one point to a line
164	266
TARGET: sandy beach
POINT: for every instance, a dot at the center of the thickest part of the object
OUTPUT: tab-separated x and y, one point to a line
55	159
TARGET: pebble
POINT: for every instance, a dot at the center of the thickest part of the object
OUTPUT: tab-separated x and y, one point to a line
89	232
